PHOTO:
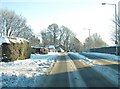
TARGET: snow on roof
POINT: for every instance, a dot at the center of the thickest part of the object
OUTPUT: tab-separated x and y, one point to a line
11	39
37	47
61	50
51	46
16	40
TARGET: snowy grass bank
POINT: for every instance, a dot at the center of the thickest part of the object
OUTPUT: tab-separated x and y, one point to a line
24	73
109	73
101	55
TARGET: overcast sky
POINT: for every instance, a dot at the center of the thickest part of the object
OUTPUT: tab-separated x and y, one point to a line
74	14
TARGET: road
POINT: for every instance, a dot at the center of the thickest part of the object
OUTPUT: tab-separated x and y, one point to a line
70	71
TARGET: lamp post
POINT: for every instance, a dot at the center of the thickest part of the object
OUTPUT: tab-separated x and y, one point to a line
85	47
116	40
88	30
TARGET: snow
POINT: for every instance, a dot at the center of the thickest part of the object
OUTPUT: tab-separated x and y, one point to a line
30	72
62	50
51	46
111	74
102	55
17	40
4	40
24	73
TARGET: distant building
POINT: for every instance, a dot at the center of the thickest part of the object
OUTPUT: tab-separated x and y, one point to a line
39	50
58	48
51	48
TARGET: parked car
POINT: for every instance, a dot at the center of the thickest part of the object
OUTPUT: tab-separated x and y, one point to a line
43	51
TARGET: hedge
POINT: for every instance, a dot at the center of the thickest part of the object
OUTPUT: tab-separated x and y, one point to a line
17	49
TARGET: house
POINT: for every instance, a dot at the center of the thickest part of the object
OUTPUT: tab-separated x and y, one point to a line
60	48
39	50
51	48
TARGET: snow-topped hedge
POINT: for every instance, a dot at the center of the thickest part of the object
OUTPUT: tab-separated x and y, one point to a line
14	48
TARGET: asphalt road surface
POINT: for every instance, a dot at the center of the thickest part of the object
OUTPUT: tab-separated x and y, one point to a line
70	71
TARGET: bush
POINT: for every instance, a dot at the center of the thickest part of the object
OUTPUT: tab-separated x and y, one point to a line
17	49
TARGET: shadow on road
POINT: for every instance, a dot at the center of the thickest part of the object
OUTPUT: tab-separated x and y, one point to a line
90	76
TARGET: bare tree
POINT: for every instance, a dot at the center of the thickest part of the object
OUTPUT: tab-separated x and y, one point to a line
34	41
53	29
94	41
117	22
45	37
57	35
12	24
75	45
66	34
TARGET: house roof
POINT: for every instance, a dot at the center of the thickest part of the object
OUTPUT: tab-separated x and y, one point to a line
51	46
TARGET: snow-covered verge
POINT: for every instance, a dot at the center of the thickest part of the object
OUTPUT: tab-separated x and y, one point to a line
111	74
108	72
24	73
101	55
